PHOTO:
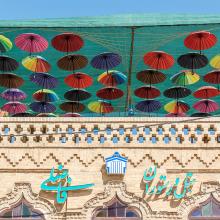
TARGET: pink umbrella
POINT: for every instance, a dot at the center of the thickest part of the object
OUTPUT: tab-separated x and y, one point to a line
30	42
14	107
206	106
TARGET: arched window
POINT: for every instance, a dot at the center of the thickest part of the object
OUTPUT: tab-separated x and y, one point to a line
22	211
209	210
116	210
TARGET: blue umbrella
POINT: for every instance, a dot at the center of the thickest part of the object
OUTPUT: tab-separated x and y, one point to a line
149	105
42	107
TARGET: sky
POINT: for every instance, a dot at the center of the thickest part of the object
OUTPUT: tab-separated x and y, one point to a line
32	9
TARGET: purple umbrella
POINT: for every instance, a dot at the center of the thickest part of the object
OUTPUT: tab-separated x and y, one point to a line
42	107
44	80
106	61
149	105
13	95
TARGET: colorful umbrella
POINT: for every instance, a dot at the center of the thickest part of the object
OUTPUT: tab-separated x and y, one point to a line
13	95
77	95
110	93
176	115
206	92
212	77
106	61
44	80
149	105
30	42
8	64
151	76
72	107
192	61
36	64
206	106
200	114
23	114
159	60
176	107
200	40
101	107
67	42
10	80
72	62
42	107
14	107
112	78
78	80
147	92
45	95
185	77
69	114
177	92
215	62
5	44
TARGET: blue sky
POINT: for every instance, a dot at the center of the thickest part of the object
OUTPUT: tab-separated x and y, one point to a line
27	9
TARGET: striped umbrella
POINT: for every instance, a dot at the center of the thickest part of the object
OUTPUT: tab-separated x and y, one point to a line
45	95
8	64
42	107
206	92
36	64
176	107
45	80
14	107
101	107
5	44
13	95
72	107
177	92
110	93
10	80
149	105
147	92
30	42
215	62
206	106
77	95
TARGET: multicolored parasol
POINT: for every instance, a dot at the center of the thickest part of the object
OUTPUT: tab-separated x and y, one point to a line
67	42
77	95
42	107
5	44
30	42
72	107
206	106
14	107
101	107
45	80
78	80
149	105
176	107
10	80
72	62
177	92
147	92
45	95
185	77
215	62
110	93
206	92
112	78
36	64
13	95
8	64
159	60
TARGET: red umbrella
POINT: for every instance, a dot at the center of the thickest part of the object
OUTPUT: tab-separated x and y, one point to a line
78	80
67	42
213	77
110	93
206	92
206	106
31	42
159	60
200	40
14	107
147	92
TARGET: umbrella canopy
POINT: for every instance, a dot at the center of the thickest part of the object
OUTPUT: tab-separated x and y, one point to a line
176	115
77	95
30	42
149	105
215	62
78	80
5	44
206	106
200	40
192	60
206	92
212	77
147	92
8	64
200	114
176	107
110	93
13	95
72	107
72	62
10	80
185	77
101	107
42	107
106	61
67	42
36	64
177	92
151	76
112	78
159	60
69	114
14	107
23	114
45	95
45	80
